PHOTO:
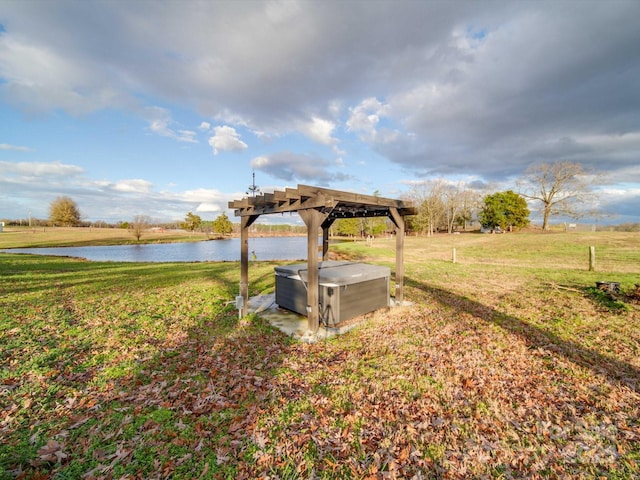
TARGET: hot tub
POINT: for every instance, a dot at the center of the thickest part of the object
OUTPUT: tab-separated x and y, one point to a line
346	289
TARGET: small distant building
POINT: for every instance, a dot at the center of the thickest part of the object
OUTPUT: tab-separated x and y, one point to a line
1	226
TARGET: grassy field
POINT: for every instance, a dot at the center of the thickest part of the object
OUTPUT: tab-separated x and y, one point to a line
24	237
509	364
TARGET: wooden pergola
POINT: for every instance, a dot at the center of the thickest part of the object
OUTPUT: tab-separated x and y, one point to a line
318	208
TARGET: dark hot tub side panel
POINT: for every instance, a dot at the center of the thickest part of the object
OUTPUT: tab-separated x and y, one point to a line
346	290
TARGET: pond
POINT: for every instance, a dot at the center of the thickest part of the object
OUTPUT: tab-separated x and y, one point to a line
264	248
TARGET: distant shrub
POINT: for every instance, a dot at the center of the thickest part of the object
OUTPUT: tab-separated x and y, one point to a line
627	227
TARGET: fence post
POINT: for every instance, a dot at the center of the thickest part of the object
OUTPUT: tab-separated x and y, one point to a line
453	256
592	259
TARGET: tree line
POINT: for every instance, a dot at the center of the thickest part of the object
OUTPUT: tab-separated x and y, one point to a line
562	189
558	189
446	207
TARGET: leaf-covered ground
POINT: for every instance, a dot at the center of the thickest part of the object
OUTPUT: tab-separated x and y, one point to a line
144	371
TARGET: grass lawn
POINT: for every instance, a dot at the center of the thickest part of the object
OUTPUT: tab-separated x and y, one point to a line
25	237
509	365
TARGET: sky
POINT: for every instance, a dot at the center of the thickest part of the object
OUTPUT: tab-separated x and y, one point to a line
161	108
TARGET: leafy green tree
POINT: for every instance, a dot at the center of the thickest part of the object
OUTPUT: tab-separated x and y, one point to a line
506	210
222	224
361	226
64	211
375	225
348	227
191	222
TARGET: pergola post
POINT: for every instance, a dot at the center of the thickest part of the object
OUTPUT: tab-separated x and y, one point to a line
245	223
312	219
398	220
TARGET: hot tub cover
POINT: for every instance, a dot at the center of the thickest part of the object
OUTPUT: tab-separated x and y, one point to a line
336	272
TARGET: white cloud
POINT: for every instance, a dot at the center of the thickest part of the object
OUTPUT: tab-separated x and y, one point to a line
291	166
260	162
43	78
621	146
226	139
625	175
208	208
435	87
319	130
160	122
207	200
104	199
280	12
202	195
188	136
133	186
15	148
264	136
365	117
39	169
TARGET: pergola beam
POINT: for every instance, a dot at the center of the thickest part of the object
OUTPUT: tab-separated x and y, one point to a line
350	205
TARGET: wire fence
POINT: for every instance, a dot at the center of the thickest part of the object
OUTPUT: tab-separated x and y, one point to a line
600	252
607	259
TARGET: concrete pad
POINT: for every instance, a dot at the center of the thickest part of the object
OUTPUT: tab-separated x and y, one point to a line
294	324
287	321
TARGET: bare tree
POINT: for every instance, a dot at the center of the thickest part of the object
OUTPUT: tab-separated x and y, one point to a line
563	188
471	200
427	196
139	224
441	203
457	201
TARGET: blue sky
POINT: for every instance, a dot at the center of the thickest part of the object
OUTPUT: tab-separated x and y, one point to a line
161	108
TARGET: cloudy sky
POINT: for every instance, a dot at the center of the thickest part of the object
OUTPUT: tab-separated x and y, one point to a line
165	107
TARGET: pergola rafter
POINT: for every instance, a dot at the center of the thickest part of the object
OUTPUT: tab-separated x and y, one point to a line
319	208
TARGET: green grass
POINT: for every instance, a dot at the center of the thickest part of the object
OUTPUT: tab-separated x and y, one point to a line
25	237
615	252
509	364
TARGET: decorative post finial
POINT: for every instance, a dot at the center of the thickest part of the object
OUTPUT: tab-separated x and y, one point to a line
253	188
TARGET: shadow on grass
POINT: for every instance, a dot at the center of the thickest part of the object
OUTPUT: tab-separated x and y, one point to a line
186	404
63	272
616	371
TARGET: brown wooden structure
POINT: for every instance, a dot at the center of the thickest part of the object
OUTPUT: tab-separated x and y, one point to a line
318	208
